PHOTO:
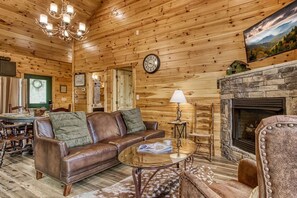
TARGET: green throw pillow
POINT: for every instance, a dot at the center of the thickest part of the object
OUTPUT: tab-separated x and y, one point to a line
71	127
133	120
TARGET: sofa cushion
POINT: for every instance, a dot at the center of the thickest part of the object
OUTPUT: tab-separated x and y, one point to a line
150	134
102	126
121	124
125	141
231	189
133	120
82	157
71	128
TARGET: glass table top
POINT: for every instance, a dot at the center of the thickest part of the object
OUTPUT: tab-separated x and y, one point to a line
131	157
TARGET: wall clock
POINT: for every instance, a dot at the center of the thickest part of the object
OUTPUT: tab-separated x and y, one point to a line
151	63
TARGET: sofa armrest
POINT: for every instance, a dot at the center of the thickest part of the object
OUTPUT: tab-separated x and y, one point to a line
151	125
191	186
247	172
48	153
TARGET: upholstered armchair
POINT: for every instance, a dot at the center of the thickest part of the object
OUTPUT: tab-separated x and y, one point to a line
191	186
276	169
276	152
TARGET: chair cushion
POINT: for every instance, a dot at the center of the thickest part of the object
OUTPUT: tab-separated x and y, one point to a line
82	157
71	127
125	141
231	189
150	134
133	120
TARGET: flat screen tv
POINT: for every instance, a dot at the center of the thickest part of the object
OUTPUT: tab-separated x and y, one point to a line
273	35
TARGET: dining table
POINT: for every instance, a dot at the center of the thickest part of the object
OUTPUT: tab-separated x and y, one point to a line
16	119
19	117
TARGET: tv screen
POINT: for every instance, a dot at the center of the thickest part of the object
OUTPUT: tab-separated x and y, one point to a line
273	35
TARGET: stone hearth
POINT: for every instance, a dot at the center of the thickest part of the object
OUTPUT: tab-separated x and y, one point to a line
267	82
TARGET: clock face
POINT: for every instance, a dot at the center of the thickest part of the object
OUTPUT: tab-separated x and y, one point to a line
151	63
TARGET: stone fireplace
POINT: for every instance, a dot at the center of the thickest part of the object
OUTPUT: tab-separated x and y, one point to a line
247	98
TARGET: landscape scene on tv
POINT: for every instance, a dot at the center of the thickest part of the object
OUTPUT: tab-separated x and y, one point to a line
275	34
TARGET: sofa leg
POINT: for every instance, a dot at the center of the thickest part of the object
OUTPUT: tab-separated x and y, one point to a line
38	175
67	189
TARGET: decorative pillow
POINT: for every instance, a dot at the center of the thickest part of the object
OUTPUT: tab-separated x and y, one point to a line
71	127
133	120
255	193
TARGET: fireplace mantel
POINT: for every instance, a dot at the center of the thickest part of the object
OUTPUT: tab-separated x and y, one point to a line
266	82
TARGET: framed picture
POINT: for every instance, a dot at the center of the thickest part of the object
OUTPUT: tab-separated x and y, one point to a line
273	35
79	80
63	88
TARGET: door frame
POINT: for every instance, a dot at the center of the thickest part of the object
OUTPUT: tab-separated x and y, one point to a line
110	83
48	90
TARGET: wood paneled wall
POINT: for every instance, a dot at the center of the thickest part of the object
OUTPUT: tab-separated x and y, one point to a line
195	40
60	72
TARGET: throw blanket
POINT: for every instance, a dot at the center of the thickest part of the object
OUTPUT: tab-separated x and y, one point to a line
71	127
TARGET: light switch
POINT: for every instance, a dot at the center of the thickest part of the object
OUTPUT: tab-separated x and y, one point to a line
137	97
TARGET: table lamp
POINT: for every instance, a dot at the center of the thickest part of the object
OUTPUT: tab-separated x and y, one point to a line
178	97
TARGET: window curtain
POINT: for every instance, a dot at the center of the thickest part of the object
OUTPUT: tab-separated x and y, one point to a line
9	93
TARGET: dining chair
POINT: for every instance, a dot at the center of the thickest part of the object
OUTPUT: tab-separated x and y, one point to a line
13	134
203	128
60	109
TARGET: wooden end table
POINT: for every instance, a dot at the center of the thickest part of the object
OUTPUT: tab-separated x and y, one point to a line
152	161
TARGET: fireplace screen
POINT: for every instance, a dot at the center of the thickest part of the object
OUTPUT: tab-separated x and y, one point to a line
247	114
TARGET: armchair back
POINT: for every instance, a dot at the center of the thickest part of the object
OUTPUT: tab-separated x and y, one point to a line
276	152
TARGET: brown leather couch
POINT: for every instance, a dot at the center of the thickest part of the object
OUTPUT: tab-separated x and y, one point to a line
109	134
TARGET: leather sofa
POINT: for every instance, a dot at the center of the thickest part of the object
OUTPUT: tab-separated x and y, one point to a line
109	135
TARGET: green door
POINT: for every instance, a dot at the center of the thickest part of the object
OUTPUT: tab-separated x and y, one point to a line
39	91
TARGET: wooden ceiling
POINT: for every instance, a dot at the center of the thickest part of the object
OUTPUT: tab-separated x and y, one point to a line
19	33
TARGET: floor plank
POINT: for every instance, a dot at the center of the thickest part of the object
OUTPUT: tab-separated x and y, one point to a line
17	177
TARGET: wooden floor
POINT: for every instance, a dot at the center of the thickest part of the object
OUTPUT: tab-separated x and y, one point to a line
17	177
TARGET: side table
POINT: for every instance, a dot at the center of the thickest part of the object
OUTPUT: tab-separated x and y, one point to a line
179	129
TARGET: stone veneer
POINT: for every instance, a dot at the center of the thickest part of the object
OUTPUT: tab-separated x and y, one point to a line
271	81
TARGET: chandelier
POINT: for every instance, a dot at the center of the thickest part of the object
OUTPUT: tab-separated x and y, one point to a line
63	29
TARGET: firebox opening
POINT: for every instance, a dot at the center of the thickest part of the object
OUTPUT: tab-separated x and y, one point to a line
247	114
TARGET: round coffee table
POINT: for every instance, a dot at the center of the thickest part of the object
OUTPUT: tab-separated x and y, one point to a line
156	161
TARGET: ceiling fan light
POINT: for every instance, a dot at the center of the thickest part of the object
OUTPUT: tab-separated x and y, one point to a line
79	33
69	9
53	8
43	19
66	34
66	18
49	27
82	27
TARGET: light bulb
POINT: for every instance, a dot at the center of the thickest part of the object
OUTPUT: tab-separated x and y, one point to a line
66	34
53	8
49	27
66	18
43	19
82	27
79	33
69	9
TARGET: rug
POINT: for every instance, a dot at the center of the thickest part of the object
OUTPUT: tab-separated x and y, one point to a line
164	184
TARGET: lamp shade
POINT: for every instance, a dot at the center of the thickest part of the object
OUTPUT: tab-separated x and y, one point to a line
178	97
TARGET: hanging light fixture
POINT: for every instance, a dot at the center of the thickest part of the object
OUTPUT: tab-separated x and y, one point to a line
63	28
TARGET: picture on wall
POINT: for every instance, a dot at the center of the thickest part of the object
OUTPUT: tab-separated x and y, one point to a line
274	35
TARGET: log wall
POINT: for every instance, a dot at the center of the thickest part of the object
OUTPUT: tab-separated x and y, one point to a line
195	40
